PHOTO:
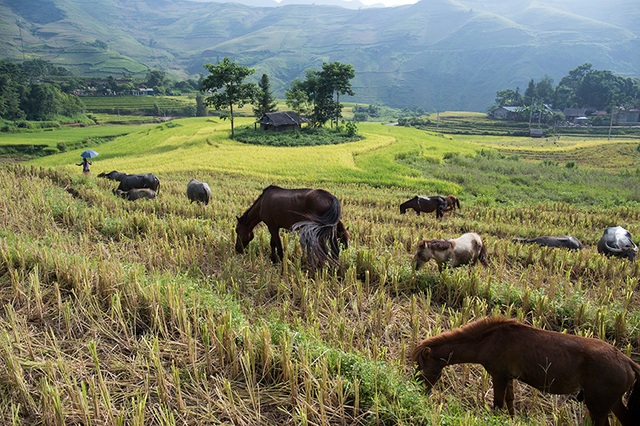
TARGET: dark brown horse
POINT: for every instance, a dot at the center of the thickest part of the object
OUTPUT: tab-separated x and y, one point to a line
425	204
453	203
314	213
552	362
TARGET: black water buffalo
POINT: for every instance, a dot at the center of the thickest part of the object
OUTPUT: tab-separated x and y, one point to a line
565	241
198	191
136	194
127	182
616	241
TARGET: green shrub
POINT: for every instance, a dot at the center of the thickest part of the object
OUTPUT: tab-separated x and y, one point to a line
309	136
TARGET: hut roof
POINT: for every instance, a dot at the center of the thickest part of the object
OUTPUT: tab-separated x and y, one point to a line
286	118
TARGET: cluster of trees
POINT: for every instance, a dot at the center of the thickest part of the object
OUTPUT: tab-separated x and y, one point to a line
317	97
583	87
38	90
362	112
27	93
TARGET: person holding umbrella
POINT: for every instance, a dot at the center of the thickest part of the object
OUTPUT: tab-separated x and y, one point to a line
85	160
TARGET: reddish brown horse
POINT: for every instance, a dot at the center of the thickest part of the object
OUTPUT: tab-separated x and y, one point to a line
453	203
425	204
314	213
552	362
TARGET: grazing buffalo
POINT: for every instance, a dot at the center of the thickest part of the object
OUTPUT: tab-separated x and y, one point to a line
127	182
468	248
616	241
198	191
136	194
565	241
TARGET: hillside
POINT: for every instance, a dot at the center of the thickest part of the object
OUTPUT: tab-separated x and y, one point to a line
435	54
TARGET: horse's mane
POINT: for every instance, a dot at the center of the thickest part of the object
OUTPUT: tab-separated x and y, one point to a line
246	212
471	331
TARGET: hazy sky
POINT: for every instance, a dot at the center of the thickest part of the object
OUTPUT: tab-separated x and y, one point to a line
388	2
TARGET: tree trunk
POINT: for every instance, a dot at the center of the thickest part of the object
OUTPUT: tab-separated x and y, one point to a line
231	118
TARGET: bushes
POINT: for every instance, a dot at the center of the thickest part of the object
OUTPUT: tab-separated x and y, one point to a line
309	136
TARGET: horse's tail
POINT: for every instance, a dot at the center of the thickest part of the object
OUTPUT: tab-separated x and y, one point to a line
633	404
317	233
457	201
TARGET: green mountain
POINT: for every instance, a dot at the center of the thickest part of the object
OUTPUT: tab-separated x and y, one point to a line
435	54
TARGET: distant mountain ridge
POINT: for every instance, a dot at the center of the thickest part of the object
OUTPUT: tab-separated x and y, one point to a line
435	54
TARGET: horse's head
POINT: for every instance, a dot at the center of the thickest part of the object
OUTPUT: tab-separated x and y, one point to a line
343	235
429	368
408	204
440	250
244	234
422	255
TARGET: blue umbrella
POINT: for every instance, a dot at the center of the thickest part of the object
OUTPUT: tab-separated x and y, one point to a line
89	154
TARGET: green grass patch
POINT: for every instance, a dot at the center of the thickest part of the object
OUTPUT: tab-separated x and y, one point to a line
495	177
41	142
139	105
308	136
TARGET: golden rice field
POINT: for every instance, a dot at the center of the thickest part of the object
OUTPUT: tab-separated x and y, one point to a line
142	313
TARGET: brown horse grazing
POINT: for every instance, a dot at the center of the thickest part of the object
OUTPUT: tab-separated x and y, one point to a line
452	203
552	362
467	248
314	213
425	204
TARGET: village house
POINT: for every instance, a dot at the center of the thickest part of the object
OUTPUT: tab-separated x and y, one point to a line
629	116
279	121
575	115
142	91
505	112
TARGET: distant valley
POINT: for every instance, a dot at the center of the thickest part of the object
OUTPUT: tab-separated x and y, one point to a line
435	54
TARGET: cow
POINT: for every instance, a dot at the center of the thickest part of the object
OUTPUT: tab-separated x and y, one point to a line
468	248
616	241
127	182
198	191
565	241
136	194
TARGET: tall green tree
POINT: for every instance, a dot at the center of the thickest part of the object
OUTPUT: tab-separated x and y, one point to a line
265	102
336	79
320	92
11	90
545	90
42	102
509	97
226	85
201	107
530	94
303	96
